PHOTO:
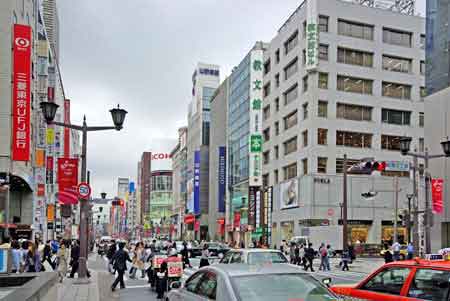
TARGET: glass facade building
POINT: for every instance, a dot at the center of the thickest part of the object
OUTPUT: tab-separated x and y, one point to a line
437	46
238	132
207	94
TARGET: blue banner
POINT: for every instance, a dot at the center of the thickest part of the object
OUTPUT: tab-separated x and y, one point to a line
131	187
221	178
197	182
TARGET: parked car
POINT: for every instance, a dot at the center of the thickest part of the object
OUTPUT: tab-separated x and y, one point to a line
408	280
254	256
233	282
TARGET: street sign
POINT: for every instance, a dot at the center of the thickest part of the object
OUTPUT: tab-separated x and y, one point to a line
84	190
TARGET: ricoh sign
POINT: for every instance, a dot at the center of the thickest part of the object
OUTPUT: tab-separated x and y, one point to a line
161	156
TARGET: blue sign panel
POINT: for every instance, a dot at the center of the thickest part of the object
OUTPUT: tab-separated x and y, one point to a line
221	178
3	260
197	182
132	187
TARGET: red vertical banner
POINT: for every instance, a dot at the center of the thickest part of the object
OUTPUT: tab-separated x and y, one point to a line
21	102
196	225
436	193
67	130
67	180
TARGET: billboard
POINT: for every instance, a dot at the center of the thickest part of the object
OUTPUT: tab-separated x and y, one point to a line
289	194
436	193
21	102
67	180
197	182
255	131
190	195
221	179
312	36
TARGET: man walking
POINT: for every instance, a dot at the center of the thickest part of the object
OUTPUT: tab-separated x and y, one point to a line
309	255
119	262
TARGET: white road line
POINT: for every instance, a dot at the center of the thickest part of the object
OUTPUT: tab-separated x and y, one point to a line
139	286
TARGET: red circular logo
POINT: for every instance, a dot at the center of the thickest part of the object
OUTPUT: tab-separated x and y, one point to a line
330	212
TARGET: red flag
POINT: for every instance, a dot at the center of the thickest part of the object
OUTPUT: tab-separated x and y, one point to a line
436	192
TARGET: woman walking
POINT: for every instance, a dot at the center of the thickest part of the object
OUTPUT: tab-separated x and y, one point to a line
205	255
16	257
62	256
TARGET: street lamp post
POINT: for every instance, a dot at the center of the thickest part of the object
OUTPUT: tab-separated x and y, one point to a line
118	115
405	144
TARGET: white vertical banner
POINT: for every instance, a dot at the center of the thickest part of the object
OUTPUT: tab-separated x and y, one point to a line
312	36
255	133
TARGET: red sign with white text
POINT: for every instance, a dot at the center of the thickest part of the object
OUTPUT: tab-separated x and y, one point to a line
66	130
21	103
160	156
436	192
67	180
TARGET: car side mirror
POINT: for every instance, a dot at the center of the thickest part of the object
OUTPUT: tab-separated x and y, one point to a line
326	281
175	285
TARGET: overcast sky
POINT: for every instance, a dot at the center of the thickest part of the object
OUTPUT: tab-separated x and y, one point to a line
141	54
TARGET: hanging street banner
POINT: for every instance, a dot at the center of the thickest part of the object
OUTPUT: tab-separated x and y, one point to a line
222	179
252	206
197	182
67	180
312	36
255	135
436	193
21	93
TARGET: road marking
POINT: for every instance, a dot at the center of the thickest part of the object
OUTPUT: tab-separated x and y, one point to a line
139	286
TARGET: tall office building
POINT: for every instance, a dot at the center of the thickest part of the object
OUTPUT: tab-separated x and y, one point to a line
51	21
340	78
205	81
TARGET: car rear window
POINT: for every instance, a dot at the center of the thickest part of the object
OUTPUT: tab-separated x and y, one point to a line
266	257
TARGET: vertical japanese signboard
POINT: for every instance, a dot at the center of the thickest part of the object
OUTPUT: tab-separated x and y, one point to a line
255	133
67	180
436	192
197	182
66	130
312	36
21	102
258	209
252	207
221	179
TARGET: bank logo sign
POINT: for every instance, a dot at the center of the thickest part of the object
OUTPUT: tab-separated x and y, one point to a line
255	135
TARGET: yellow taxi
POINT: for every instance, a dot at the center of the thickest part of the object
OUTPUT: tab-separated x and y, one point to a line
417	279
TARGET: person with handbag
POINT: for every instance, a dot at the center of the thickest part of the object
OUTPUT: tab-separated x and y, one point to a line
62	255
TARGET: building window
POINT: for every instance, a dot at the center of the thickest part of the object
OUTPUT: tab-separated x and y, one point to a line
291	94
340	164
304	29
354	84
421	119
323	52
422	41
266	112
267	67
266	157
291	42
322	136
290	120
276	150
277	80
266	89
305	110
305	83
265	180
277	104
355	30
421	145
353	112
355	57
323	23
323	80
305	166
266	134
277	56
322	164
305	138
394	90
390	142
290	171
353	139
275	176
395	117
397	37
322	110
290	146
422	67
277	128
291	69
304	57
423	93
397	64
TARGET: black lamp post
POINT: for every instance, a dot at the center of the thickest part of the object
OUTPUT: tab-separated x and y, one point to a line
405	145
118	116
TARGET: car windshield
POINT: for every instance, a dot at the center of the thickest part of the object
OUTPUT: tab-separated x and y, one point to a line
280	287
266	257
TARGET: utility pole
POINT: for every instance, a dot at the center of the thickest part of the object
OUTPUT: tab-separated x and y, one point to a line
344	207
396	209
428	216
415	209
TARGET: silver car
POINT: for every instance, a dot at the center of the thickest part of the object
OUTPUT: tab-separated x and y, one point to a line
243	282
254	256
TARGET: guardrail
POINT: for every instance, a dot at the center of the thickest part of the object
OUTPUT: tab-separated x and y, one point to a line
30	287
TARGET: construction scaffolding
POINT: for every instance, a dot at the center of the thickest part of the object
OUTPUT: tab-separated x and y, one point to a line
400	6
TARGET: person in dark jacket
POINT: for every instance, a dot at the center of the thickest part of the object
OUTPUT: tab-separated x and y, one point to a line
110	253
47	255
119	262
309	255
185	254
74	258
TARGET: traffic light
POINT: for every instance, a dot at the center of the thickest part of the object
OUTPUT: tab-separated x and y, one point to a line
374	166
118	202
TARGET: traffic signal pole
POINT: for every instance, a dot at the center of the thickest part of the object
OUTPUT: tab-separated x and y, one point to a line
344	208
396	209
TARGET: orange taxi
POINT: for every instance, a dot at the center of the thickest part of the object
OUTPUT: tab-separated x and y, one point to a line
417	279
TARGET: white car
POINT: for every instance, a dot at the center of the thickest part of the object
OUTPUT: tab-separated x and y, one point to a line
254	256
